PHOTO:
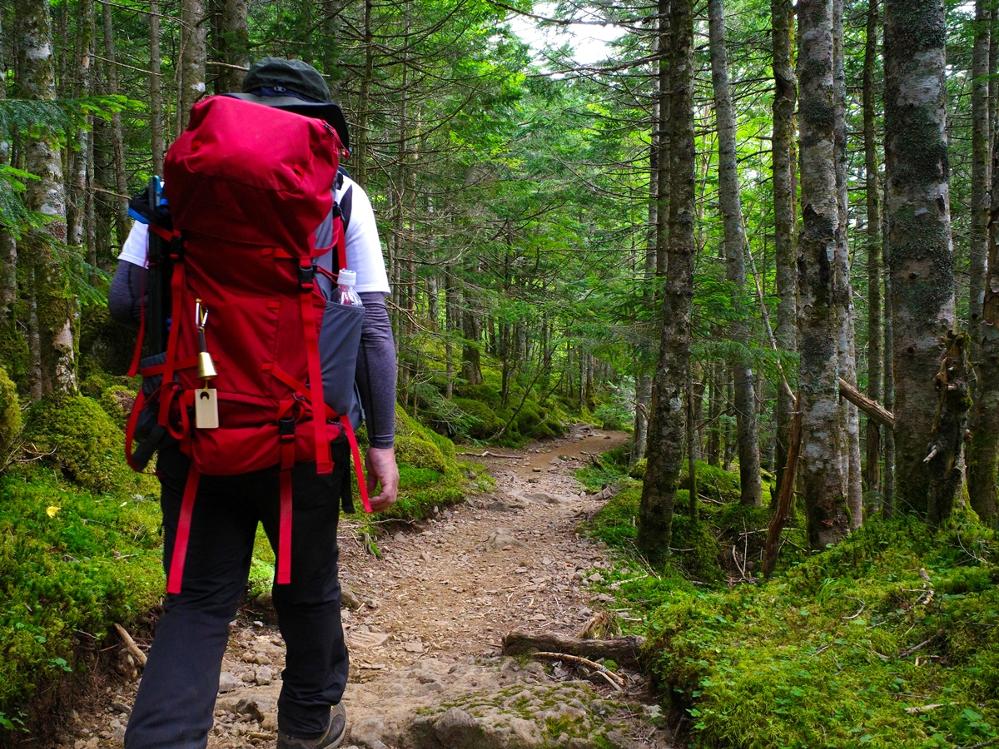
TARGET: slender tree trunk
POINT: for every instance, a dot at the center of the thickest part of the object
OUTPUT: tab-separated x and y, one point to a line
980	138
984	425
735	268
155	88
8	247
819	328
117	134
235	45
844	288
56	306
921	260
194	39
783	145
77	183
874	249
666	428
361	155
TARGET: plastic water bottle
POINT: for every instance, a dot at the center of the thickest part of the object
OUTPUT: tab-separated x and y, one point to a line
346	280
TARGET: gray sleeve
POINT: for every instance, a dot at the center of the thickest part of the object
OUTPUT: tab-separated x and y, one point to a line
376	370
127	292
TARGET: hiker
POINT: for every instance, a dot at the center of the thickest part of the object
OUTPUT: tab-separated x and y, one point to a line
176	698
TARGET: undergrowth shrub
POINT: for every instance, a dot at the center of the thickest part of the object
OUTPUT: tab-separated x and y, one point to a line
10	415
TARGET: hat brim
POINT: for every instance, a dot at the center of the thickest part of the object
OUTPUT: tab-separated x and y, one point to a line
324	110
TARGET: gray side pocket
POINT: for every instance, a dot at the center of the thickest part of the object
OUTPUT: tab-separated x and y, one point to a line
339	342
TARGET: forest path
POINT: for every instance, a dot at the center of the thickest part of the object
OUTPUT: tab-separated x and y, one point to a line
425	622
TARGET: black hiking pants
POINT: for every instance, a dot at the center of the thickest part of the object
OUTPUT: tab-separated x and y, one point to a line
176	699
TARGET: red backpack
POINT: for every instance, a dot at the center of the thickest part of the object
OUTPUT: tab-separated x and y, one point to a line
241	384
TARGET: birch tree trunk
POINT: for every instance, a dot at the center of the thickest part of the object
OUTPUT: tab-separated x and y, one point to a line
980	137
77	183
735	249
194	37
785	95
56	306
984	423
844	288
666	427
818	327
874	249
921	259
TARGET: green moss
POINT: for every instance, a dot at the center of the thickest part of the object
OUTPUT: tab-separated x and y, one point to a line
10	414
419	453
826	655
484	422
71	563
76	435
117	402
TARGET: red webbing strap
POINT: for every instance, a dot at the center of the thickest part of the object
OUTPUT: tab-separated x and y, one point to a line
362	484
340	238
176	315
176	575
324	463
133	421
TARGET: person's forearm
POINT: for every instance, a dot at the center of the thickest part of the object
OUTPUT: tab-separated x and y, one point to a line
127	290
376	371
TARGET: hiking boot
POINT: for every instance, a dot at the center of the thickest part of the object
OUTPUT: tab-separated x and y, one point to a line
332	737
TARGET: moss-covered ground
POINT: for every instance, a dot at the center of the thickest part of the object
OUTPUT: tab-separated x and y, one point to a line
890	639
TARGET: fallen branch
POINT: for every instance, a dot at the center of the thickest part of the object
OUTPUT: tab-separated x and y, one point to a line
872	408
488	454
130	646
622	650
612	678
786	497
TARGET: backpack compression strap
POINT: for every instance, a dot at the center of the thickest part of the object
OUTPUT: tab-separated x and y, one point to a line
306	286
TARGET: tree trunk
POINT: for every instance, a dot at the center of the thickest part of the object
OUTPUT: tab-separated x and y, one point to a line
666	425
980	137
735	269
783	144
920	254
194	33
874	336
122	223
819	326
56	306
155	89
984	425
847	350
8	247
77	184
235	45
889	372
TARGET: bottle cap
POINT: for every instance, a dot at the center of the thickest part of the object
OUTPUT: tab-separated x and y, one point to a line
347	277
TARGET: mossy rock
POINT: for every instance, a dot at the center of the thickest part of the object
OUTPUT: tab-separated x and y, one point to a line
637	471
81	439
10	413
419	453
485	421
117	402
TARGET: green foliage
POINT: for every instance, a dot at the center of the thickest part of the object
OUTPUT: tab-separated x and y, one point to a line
889	639
71	563
75	434
10	415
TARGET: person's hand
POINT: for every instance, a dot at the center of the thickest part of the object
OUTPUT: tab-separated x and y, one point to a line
382	470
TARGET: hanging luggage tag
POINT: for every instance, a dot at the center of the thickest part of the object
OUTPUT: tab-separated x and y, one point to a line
206	402
206	408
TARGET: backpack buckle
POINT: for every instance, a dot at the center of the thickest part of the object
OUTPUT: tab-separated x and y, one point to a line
286	428
306	277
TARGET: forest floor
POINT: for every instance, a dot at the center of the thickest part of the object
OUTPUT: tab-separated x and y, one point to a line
425	621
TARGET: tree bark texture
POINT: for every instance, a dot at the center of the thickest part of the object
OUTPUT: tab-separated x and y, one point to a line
818	322
980	140
156	121
666	429
56	306
194	39
235	45
735	269
921	259
785	96
8	247
984	423
872	471
120	201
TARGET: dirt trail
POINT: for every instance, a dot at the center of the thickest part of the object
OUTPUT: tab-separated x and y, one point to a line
425	621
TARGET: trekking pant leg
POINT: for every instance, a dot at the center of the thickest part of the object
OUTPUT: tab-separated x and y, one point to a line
308	609
176	698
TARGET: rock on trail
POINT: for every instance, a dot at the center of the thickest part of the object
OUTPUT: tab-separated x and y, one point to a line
425	622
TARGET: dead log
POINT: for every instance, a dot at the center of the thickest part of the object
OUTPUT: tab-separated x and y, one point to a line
786	498
622	650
